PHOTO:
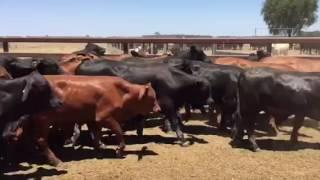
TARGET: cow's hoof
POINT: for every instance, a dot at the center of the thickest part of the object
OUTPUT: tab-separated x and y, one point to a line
101	146
234	143
167	129
119	154
256	149
55	163
185	143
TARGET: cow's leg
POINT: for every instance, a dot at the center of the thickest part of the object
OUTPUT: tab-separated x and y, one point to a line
174	117
225	118
213	115
251	137
203	110
298	121
42	134
274	130
237	131
187	114
116	128
73	140
140	126
95	133
167	125
10	154
75	135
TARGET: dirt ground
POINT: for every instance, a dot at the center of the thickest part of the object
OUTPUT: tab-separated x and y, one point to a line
208	157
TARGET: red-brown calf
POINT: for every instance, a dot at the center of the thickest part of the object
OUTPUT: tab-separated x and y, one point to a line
98	101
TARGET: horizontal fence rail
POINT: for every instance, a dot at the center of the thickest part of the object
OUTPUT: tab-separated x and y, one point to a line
125	41
218	40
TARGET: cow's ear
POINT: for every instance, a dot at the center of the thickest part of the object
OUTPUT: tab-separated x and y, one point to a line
26	90
144	91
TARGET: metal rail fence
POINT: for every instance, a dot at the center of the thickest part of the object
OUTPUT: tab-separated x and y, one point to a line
125	41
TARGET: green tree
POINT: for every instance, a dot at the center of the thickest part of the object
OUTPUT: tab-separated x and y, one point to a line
289	16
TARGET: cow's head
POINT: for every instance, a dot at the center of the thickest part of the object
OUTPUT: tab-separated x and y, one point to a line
38	95
49	67
94	49
22	67
69	64
148	100
196	53
262	54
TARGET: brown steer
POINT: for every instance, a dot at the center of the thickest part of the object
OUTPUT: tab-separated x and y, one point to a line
98	101
245	64
299	64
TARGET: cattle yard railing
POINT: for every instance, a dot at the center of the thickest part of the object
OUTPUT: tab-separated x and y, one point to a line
125	41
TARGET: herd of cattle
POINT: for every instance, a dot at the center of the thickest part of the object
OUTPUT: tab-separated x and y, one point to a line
42	96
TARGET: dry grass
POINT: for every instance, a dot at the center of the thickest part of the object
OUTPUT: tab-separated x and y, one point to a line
210	157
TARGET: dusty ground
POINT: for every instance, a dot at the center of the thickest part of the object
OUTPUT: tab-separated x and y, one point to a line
209	157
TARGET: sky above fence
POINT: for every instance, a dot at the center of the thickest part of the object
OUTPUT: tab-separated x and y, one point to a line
132	17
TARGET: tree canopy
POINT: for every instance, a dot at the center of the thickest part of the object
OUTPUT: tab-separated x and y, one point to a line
289	16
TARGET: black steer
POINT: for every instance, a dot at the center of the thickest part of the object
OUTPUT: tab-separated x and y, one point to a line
224	85
18	67
21	98
91	48
279	94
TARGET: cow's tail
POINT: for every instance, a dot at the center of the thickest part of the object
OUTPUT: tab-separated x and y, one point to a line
237	114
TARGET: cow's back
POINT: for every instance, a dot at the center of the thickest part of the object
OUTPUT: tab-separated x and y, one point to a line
82	95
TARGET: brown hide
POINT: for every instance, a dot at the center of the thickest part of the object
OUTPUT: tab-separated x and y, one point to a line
4	73
242	63
299	64
98	101
70	63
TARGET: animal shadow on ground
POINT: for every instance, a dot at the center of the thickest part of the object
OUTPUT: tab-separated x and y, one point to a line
196	116
133	139
38	174
207	129
286	145
308	123
5	167
280	145
86	151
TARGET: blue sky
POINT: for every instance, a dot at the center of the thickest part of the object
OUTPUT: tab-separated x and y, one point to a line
131	17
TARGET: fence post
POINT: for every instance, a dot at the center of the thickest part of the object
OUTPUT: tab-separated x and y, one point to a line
214	49
125	48
5	45
150	48
165	48
269	48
